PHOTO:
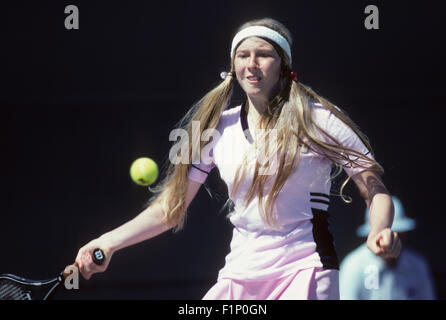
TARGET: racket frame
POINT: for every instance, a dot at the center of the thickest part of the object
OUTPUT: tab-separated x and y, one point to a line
36	283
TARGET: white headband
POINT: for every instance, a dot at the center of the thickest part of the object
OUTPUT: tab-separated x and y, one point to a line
264	32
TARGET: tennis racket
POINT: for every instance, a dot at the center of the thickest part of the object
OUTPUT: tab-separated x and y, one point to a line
13	287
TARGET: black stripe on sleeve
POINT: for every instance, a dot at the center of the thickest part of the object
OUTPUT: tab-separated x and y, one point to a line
320	201
318	194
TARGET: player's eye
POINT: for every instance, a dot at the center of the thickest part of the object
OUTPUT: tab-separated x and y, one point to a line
265	54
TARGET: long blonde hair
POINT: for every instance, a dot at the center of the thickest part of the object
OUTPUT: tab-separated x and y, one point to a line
289	113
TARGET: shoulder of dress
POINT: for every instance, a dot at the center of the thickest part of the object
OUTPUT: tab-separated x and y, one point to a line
231	111
319	113
229	117
320	108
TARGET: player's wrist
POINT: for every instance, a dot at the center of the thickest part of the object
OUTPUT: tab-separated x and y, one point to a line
109	243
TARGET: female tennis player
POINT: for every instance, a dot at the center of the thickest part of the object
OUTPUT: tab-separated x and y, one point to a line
281	246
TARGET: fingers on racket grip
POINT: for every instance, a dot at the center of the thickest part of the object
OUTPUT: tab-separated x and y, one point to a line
98	256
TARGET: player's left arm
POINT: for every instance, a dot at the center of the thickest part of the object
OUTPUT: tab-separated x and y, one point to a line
382	240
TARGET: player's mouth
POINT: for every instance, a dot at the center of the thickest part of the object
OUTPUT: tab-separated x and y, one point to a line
253	79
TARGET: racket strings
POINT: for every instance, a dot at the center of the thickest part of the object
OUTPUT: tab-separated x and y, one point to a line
13	291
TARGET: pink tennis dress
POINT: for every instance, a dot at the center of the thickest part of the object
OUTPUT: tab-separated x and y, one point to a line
297	260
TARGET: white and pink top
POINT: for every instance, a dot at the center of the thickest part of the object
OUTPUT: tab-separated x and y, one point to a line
259	252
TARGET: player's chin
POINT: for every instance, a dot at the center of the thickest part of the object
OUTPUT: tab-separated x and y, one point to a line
254	91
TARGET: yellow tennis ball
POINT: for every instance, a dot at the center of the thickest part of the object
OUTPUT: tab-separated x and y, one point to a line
144	171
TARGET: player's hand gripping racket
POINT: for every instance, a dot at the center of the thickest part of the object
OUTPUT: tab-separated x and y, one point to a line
13	287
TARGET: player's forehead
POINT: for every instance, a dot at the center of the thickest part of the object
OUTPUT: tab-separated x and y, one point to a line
254	43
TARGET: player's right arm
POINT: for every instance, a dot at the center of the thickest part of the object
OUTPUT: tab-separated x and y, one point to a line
148	224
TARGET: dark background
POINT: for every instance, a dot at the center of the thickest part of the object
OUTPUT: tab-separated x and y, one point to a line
78	106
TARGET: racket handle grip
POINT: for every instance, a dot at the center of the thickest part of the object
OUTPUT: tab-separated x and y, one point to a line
98	256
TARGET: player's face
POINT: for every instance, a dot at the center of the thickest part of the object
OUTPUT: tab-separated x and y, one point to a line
257	67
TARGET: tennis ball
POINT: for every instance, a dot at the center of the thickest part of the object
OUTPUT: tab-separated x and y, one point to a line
144	171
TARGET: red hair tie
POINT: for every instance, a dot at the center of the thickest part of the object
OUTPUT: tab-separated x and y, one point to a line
293	75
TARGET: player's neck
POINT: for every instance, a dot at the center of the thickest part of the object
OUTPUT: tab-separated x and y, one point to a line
254	109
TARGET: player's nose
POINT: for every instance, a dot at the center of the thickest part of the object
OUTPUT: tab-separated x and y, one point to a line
252	62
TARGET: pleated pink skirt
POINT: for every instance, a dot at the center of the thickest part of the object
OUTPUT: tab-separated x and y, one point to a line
306	284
